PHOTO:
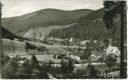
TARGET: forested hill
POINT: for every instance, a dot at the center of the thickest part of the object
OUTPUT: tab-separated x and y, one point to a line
90	26
42	19
6	34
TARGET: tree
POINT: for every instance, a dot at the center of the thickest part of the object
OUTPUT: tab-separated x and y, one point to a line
35	74
63	66
92	71
85	54
101	59
110	60
111	9
24	71
49	66
4	59
70	65
9	70
17	58
44	70
34	62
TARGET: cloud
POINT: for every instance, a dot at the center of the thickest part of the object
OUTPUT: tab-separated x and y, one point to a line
85	6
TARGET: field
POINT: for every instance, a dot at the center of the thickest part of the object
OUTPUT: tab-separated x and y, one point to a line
17	47
13	48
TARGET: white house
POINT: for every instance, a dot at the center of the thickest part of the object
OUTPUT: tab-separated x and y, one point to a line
71	39
84	42
95	41
42	38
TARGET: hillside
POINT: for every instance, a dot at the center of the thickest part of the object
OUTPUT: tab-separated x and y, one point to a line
6	34
13	47
90	26
42	19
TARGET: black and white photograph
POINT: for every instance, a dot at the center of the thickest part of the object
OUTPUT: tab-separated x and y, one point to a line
63	39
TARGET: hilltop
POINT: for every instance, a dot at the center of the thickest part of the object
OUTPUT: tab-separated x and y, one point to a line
42	19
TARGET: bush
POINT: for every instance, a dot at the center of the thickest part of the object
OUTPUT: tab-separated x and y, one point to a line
92	71
4	59
85	54
110	60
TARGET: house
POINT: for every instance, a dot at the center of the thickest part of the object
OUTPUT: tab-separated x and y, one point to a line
71	40
84	42
95	41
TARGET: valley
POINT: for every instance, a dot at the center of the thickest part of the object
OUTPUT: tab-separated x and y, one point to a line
61	44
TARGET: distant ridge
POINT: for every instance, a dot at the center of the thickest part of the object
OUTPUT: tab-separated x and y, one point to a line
42	18
89	27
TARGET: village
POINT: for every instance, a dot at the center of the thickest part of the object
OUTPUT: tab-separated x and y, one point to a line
81	52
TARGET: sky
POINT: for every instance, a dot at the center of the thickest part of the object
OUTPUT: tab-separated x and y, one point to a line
13	8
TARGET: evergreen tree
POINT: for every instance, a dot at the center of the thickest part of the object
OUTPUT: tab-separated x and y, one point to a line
92	71
70	65
111	9
110	60
34	62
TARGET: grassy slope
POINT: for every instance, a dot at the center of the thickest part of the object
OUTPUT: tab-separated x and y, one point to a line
17	47
13	48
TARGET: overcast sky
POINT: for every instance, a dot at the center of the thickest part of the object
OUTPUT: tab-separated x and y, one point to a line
19	7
